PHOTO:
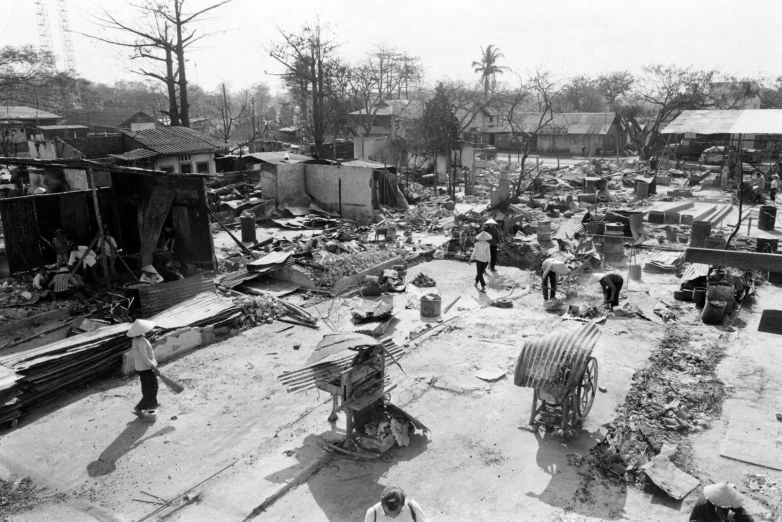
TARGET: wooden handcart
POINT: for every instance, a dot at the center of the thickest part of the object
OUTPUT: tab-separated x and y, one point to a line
563	374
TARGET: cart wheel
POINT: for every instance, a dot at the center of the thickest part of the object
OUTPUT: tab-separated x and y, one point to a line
587	388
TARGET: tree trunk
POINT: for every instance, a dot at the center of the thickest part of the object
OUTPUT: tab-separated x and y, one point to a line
184	106
173	106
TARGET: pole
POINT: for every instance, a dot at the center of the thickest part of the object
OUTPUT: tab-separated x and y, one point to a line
739	192
102	242
253	100
236	239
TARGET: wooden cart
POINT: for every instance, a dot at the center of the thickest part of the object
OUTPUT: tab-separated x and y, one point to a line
563	374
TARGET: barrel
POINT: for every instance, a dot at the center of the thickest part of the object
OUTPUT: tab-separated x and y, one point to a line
656	217
613	248
767	245
700	231
544	230
767	217
699	296
671	218
687	219
603	196
641	189
713	311
430	305
671	234
587	198
248	229
635	272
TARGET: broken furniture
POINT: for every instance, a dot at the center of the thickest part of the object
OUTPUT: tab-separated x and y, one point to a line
358	383
563	374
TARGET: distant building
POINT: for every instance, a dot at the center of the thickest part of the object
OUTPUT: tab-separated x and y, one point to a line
172	149
113	120
18	125
392	118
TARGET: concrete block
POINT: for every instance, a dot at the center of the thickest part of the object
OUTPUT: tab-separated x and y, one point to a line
168	347
208	334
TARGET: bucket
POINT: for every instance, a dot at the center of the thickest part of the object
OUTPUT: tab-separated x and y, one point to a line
635	272
671	234
248	229
430	305
713	311
699	296
603	196
767	217
391	233
721	291
767	245
700	231
544	230
715	243
641	190
687	295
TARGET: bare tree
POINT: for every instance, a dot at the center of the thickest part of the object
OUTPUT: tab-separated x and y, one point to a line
614	85
525	126
161	36
228	111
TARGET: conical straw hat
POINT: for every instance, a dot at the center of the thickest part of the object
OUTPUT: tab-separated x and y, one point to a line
483	236
723	495
140	327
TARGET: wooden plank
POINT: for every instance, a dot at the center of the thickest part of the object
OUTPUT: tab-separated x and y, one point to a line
734	259
155	216
752	437
702	215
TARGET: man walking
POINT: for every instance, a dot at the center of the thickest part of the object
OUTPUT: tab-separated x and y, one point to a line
490	226
774	187
480	254
394	505
612	285
551	269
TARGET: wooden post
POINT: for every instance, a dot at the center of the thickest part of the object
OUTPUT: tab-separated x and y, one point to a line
102	239
241	245
340	194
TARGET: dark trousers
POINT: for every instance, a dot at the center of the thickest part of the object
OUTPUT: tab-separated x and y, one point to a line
550	281
148	390
773	194
613	299
493	252
481	267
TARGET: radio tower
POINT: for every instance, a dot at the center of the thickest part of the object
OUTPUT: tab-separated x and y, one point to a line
45	34
65	34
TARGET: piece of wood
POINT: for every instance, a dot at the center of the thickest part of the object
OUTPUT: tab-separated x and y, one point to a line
734	259
101	258
158	206
445	311
704	214
236	239
752	437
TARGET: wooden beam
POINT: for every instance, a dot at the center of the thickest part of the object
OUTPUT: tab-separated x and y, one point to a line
734	259
702	215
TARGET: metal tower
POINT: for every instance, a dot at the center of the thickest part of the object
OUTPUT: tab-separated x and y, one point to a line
45	34
65	35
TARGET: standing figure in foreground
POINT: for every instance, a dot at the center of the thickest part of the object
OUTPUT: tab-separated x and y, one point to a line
612	285
551	269
719	500
394	505
145	364
490	226
481	256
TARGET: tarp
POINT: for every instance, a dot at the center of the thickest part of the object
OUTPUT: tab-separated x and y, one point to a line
748	121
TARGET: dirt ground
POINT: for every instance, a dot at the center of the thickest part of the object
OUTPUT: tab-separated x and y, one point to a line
95	461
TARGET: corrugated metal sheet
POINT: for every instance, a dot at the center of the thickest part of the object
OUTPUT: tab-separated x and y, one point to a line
561	123
195	310
569	228
135	154
694	271
747	121
75	216
278	158
159	297
555	363
20	231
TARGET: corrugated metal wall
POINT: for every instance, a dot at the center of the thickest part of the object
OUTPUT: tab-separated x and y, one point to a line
27	219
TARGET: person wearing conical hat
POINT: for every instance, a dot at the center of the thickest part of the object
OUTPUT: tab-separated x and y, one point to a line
150	275
145	364
717	503
490	226
481	255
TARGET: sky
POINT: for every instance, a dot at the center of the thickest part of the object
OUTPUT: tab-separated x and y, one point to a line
566	37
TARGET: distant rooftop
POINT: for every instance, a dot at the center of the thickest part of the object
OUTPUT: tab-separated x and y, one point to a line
176	140
19	112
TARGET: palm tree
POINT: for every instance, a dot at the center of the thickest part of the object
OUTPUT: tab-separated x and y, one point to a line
488	67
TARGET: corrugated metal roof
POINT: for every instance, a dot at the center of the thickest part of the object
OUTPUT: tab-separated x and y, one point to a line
365	163
176	140
747	121
135	154
155	298
278	158
563	123
193	311
25	113
61	127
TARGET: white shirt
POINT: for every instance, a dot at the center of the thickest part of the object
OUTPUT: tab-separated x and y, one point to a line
143	355
481	252
775	183
554	264
89	258
376	513
107	245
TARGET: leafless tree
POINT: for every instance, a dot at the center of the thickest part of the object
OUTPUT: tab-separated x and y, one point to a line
228	111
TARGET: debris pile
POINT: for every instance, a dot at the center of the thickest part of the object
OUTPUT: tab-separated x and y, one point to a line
676	394
423	281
